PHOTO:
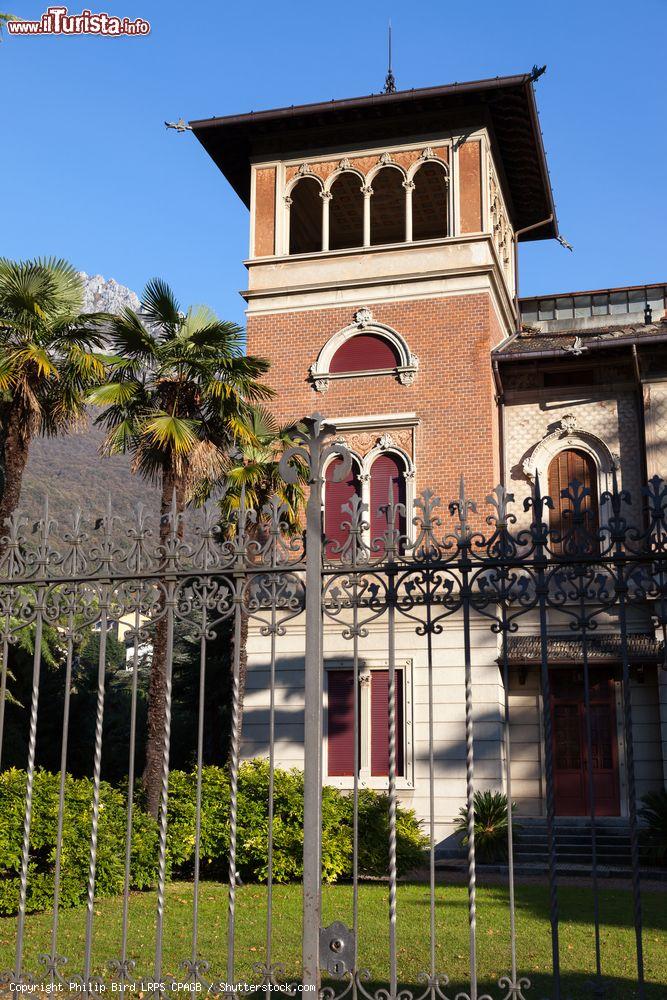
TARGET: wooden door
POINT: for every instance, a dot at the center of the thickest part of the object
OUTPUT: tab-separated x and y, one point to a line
575	528
570	749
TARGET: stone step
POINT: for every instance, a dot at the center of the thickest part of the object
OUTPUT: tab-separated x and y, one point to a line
578	858
583	843
541	868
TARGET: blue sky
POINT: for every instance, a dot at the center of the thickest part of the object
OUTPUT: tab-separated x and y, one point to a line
90	173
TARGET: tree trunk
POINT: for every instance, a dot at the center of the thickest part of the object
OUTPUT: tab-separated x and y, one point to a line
243	664
157	691
16	445
243	645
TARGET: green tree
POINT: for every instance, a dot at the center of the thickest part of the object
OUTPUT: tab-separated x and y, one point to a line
48	361
4	18
255	475
179	397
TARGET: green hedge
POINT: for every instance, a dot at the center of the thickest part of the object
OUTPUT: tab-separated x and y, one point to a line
253	826
337	815
75	841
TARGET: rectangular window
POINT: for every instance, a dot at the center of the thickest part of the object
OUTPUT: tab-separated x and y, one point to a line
340	723
380	723
373	723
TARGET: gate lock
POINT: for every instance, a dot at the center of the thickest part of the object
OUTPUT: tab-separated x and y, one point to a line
336	949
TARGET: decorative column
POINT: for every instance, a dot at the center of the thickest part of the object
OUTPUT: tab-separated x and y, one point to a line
326	200
365	483
367	192
288	213
409	188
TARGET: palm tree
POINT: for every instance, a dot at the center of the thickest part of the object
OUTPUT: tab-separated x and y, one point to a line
256	473
48	361
255	476
179	397
7	17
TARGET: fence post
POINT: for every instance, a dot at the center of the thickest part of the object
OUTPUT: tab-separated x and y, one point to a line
314	451
314	686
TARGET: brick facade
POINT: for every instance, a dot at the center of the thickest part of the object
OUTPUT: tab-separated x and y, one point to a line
452	395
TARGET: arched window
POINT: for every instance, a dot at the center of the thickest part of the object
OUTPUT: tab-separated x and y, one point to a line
364	352
335	496
305	217
430	202
574	526
387	472
365	347
346	212
387	207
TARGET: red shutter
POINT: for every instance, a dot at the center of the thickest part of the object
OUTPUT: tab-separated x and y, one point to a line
335	496
365	352
385	470
380	723
340	723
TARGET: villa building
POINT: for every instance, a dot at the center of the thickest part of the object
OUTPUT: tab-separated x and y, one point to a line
382	286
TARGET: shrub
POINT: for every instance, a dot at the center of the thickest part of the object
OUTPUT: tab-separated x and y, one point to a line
253	826
75	856
491	825
252	833
654	814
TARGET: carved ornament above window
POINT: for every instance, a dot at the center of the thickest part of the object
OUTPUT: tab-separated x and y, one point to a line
336	360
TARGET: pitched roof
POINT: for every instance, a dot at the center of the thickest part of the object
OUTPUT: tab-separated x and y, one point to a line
531	342
505	104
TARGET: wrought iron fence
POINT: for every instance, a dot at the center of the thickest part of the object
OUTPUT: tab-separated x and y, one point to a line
457	562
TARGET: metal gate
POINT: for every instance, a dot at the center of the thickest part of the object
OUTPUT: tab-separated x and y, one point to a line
456	564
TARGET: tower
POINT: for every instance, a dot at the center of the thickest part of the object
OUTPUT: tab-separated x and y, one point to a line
382	262
381	276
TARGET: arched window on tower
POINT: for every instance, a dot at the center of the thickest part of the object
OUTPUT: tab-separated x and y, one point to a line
387	473
346	212
387	207
335	496
430	202
305	217
576	525
365	352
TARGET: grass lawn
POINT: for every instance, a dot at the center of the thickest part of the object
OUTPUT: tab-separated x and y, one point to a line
533	931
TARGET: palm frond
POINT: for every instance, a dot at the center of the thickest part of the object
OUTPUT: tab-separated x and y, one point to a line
160	306
206	462
221	336
130	338
113	393
120	439
164	430
67	285
38	357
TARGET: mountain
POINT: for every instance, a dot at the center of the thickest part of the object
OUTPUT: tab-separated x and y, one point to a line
70	468
101	295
